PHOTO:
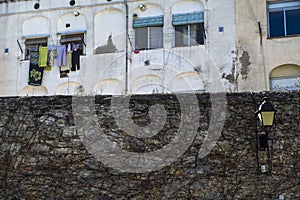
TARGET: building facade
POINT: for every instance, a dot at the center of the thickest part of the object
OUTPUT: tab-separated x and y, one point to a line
80	47
268	45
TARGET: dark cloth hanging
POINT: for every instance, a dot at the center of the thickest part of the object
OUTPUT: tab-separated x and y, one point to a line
35	75
76	59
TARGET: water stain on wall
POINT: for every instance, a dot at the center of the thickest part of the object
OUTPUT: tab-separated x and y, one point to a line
245	62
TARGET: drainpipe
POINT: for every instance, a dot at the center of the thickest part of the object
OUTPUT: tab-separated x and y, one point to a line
126	53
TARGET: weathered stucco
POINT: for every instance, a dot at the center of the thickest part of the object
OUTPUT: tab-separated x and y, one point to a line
265	53
99	21
245	62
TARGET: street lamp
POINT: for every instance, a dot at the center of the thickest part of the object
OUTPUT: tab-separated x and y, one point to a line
266	114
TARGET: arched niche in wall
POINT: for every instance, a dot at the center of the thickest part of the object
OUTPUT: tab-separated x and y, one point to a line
109	86
188	82
70	88
36	26
34	91
110	31
285	77
147	84
184	6
149	10
69	23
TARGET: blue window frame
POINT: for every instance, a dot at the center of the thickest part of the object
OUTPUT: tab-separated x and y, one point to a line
284	19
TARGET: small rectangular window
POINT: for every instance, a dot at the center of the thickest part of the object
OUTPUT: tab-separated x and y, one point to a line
284	18
285	83
293	22
155	37
74	39
148	38
189	35
141	38
33	44
181	35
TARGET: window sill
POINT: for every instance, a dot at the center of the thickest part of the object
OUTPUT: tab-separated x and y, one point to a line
105	53
145	49
198	45
281	37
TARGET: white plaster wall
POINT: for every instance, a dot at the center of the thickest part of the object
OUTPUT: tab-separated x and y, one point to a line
110	22
151	10
36	25
77	23
187	6
105	73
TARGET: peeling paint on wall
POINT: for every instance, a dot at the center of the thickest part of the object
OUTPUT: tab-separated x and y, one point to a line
244	60
229	77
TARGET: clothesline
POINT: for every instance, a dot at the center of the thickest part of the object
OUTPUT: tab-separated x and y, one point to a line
66	57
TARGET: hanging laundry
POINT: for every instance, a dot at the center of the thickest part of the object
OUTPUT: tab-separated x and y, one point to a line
51	57
76	57
43	56
61	55
50	61
69	60
69	48
35	76
69	56
65	69
34	57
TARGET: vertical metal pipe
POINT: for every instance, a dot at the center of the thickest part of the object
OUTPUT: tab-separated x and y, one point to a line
126	53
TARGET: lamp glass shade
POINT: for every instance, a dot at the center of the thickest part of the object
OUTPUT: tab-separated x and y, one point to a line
267	118
266	113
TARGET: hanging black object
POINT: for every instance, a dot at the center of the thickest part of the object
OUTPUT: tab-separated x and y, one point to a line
72	2
36	6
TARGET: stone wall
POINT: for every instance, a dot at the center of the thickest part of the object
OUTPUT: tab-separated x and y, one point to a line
42	155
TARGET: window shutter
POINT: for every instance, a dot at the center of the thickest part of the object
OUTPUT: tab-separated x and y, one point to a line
70	39
187	18
36	41
148	21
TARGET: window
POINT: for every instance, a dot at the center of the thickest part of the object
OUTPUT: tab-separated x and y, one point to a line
33	44
148	32
285	83
148	38
284	19
189	28
285	77
74	39
189	35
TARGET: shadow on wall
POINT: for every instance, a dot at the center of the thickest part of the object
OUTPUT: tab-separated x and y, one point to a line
109	47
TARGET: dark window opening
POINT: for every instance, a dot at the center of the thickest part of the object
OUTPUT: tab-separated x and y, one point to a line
33	45
74	40
189	35
284	19
148	38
